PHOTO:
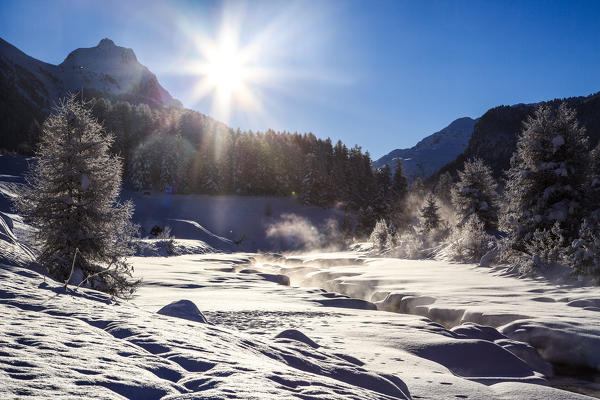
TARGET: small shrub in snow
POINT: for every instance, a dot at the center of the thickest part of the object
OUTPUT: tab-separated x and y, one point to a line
469	242
584	254
409	244
547	247
164	233
381	235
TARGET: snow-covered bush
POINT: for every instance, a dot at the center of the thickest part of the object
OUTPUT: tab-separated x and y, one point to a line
409	244
382	236
584	255
71	198
475	194
469	242
547	246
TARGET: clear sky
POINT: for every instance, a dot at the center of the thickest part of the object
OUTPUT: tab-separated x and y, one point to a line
381	74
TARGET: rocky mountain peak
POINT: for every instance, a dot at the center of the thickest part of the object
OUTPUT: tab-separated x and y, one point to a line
106	42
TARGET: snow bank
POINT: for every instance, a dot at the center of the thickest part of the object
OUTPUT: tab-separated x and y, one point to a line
183	309
431	360
84	344
170	247
537	321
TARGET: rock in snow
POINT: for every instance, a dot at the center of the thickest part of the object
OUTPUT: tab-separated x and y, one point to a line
183	309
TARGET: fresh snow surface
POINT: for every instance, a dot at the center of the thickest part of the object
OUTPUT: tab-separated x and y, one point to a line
245	292
211	325
225	326
86	345
561	321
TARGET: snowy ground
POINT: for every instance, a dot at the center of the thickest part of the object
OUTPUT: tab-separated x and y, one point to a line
85	344
248	293
308	326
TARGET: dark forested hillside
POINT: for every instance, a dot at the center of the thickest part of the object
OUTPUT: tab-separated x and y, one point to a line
185	151
495	135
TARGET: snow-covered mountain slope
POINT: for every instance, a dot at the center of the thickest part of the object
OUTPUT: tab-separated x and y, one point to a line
433	152
106	69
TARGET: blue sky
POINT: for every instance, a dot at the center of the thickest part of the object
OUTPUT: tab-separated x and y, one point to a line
381	74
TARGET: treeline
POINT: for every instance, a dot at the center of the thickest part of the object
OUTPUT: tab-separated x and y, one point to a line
188	152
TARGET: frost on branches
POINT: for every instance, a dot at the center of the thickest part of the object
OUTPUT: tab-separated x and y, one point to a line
475	194
546	181
71	198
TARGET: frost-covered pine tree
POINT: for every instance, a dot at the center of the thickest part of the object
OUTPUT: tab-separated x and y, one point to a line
417	188
475	193
429	215
168	166
584	252
71	199
584	255
545	183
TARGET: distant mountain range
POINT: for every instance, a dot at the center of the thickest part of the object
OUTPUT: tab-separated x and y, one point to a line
492	137
433	152
29	87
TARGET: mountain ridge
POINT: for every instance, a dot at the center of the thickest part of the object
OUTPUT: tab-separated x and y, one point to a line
29	88
432	152
495	135
107	68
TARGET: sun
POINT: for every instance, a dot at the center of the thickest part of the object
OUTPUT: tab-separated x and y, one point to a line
225	70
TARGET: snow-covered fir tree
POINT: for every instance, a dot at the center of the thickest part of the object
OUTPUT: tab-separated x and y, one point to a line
593	186
429	215
475	193
584	254
71	199
545	183
314	185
